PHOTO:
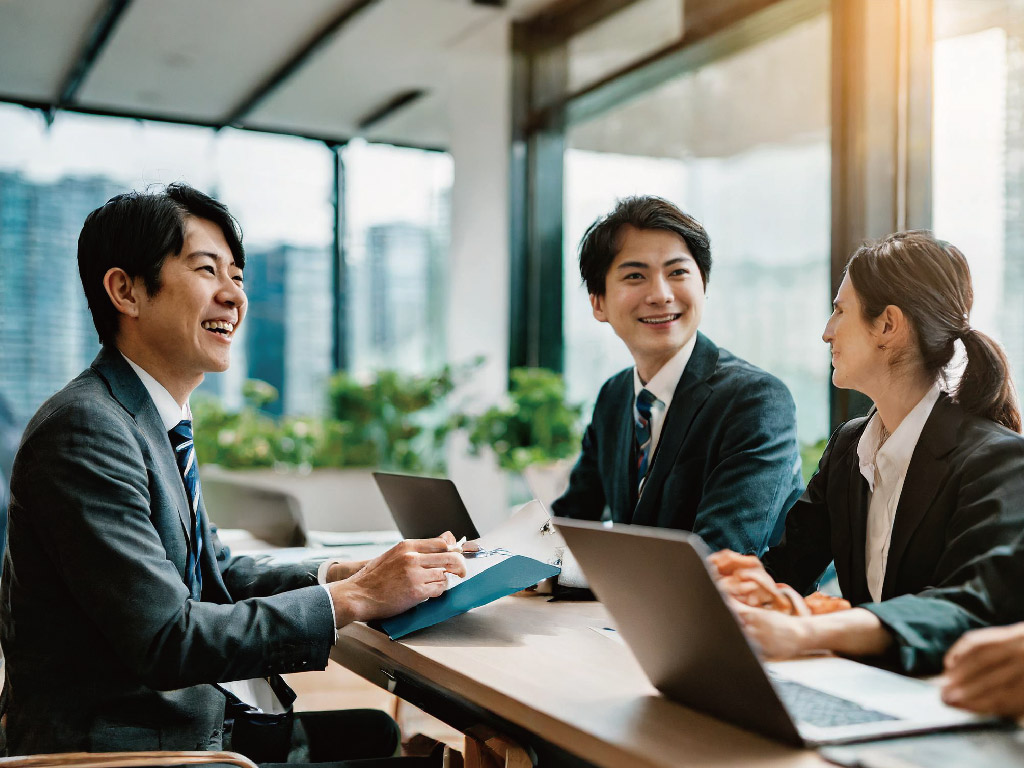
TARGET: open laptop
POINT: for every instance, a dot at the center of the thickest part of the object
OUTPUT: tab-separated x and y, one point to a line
425	507
667	608
269	514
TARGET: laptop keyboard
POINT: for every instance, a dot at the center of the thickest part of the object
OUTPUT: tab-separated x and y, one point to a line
814	707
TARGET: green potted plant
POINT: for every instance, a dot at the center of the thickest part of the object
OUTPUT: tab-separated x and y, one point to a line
390	422
536	432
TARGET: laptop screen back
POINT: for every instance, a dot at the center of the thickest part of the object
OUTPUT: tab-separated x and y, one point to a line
425	507
656	586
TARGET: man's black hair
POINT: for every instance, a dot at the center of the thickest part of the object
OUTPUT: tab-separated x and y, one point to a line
602	241
137	231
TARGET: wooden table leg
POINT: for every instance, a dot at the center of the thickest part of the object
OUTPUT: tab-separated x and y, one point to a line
488	749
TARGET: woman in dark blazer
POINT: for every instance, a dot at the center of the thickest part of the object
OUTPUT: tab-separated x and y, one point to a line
917	502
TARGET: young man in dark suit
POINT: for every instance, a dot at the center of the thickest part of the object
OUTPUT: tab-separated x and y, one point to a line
691	437
122	617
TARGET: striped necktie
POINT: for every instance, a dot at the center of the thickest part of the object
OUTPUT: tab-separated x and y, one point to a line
642	426
185	455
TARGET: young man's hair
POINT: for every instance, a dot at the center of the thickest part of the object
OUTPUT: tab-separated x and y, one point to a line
137	231
603	240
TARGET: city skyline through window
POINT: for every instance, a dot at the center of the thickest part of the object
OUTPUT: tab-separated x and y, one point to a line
280	188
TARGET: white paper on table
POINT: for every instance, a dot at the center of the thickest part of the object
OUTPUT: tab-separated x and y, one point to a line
528	532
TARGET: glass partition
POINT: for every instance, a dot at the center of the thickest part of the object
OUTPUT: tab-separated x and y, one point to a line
977	163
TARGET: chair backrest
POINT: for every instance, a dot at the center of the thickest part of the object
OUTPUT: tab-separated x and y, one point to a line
126	760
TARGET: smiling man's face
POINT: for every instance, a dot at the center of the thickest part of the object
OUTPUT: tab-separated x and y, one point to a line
188	325
653	297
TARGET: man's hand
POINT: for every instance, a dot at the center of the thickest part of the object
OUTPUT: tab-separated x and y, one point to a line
985	671
343	570
455	546
406	575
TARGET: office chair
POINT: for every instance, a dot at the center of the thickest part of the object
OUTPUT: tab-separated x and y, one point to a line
126	760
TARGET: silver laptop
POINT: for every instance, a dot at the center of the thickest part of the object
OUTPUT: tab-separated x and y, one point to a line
424	507
269	514
668	610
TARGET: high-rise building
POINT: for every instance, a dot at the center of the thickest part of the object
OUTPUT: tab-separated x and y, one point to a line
46	332
402	301
288	325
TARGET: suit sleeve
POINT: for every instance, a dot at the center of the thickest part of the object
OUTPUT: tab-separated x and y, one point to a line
86	481
805	550
585	497
757	473
976	581
245	577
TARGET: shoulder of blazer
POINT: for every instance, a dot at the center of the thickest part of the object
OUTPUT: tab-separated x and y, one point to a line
733	374
615	389
845	439
702	365
123	383
957	431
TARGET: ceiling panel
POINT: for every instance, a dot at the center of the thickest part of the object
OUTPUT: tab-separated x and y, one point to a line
39	43
195	59
374	58
423	123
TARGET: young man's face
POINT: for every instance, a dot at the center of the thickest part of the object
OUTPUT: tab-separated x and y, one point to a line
188	326
653	297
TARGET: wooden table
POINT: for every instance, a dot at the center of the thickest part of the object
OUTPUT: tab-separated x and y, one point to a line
540	674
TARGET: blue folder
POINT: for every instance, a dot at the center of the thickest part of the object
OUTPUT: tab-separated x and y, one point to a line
505	578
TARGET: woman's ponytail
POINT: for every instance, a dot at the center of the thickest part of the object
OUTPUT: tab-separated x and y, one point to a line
985	388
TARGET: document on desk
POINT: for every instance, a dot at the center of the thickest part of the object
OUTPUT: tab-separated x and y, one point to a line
520	553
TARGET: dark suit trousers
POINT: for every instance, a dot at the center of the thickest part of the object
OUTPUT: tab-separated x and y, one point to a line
351	738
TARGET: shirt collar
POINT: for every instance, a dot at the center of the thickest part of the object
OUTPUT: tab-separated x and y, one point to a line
898	450
663	384
170	412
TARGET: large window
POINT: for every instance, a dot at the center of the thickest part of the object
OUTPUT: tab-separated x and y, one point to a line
397	220
742	144
977	160
281	189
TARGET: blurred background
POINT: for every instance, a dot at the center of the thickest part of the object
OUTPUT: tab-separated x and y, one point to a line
412	178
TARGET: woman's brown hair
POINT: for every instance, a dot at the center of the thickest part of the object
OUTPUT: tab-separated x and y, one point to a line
929	280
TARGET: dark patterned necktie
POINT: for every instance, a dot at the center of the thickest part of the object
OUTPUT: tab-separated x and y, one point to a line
185	454
642	425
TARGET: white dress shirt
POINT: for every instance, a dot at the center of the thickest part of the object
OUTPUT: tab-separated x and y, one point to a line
885	469
663	386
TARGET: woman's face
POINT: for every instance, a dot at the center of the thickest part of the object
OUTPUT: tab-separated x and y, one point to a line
857	361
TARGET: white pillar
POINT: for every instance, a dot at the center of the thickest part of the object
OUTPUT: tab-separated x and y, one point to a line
479	103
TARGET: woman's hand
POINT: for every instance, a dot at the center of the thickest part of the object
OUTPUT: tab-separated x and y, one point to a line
985	671
855	632
776	635
743	578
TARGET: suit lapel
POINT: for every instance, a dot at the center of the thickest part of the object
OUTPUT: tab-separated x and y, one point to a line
131	393
924	475
691	393
857	506
625	446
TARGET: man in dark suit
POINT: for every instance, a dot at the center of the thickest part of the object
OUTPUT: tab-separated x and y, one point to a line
691	437
121	614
